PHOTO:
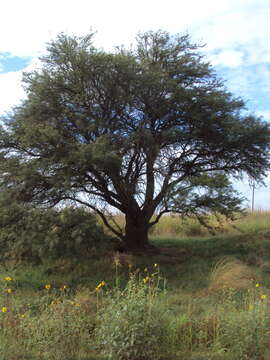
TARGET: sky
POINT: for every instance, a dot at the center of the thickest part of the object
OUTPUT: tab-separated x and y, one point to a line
236	35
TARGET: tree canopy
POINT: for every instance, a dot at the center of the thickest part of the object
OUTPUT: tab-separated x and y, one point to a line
145	130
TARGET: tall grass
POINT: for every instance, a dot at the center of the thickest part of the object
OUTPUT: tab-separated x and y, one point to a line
199	298
177	226
139	319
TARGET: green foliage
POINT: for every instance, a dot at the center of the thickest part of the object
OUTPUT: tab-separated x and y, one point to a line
147	131
131	324
245	333
206	312
27	232
59	332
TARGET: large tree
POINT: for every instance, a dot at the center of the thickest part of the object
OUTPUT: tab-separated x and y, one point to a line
145	130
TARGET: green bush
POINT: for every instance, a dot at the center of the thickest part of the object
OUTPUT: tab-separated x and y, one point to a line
131	324
31	233
61	331
245	334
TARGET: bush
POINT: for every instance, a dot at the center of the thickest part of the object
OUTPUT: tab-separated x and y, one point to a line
245	333
61	331
131	324
32	233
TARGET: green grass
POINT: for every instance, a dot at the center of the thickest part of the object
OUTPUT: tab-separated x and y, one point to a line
206	289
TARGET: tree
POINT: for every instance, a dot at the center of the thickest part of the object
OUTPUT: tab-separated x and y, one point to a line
146	130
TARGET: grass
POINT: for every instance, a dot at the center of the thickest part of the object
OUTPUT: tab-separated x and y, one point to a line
201	303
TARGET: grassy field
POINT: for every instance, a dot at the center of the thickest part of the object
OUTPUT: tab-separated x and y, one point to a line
199	297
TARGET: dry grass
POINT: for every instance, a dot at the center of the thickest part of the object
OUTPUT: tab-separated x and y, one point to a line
176	226
123	259
231	274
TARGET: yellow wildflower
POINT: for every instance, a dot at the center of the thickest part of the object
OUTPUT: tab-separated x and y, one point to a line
263	297
100	285
22	316
9	291
257	285
54	302
8	278
146	279
4	309
155	265
47	286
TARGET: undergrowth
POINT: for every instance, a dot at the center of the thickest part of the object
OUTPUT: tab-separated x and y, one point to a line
197	298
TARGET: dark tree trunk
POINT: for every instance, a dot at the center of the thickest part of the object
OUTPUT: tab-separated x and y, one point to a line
136	233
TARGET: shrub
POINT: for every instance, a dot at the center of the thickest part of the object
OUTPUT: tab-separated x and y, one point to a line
60	332
245	334
131	324
27	232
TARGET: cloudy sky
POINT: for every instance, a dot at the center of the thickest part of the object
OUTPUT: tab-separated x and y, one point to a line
236	34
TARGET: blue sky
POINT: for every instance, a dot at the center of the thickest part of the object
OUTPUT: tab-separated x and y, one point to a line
236	34
11	63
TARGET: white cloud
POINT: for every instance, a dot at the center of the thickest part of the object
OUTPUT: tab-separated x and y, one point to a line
243	26
34	23
229	58
10	89
265	114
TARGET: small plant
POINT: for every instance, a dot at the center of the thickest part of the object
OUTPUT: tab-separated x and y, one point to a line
245	333
59	332
131	322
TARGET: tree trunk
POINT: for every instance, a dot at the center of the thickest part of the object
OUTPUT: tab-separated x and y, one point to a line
136	233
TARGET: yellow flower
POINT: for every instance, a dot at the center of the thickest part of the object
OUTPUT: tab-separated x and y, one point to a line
263	297
4	309
8	278
64	287
77	304
22	316
257	285
9	291
146	279
47	286
54	302
145	270
155	265
100	285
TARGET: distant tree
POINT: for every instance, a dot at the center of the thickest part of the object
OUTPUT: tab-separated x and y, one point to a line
146	130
